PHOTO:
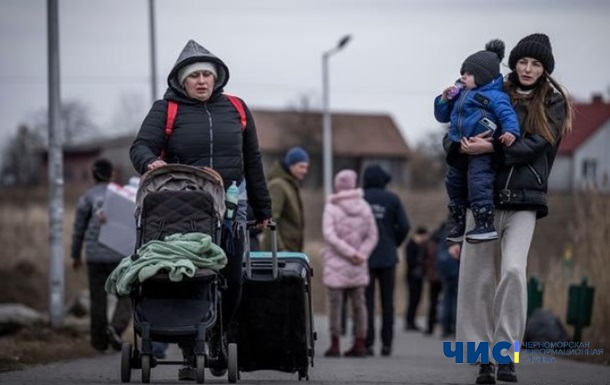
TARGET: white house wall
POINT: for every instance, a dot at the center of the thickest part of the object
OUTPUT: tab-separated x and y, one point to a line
596	147
561	174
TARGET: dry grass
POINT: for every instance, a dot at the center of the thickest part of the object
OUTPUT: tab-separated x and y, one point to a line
25	255
591	240
40	345
582	221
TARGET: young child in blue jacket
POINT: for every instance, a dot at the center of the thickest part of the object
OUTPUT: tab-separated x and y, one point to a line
476	104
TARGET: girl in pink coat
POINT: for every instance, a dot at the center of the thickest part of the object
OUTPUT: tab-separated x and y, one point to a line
350	233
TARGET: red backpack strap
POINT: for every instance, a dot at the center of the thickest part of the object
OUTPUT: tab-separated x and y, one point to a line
172	111
240	109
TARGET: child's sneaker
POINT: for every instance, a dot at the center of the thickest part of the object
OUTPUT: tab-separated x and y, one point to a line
457	221
484	229
456	234
482	234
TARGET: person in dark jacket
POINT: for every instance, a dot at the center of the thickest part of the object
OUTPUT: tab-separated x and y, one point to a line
284	187
101	261
433	278
207	131
414	275
448	267
392	226
492	293
481	106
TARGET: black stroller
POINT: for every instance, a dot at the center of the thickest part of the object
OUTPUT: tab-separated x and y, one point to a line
179	199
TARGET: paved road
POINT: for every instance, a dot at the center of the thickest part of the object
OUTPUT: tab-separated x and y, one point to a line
417	360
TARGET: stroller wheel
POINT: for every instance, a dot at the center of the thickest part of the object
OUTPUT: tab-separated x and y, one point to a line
126	362
233	370
145	368
200	369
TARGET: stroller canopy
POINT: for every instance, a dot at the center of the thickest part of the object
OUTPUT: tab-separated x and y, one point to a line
178	177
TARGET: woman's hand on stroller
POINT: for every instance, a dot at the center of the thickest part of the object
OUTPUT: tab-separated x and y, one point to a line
262	224
157	163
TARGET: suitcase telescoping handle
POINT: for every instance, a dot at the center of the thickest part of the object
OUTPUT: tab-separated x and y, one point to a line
274	262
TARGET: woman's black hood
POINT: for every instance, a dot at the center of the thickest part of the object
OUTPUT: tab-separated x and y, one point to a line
191	53
375	176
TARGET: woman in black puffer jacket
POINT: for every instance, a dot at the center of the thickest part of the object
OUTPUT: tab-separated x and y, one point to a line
208	130
493	308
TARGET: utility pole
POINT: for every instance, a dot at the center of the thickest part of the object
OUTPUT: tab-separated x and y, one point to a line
153	50
56	180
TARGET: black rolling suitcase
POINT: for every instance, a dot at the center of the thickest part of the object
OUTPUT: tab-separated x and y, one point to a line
275	328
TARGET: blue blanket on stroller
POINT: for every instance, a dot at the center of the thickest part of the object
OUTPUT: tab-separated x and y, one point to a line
179	255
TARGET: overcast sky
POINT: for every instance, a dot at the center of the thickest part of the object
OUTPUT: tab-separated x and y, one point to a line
402	53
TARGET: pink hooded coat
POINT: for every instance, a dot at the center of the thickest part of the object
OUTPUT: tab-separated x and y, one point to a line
349	229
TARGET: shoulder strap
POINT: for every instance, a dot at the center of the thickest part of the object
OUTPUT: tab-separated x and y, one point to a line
172	110
240	109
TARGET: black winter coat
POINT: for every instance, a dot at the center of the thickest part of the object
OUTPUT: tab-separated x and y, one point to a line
414	254
524	167
392	222
205	134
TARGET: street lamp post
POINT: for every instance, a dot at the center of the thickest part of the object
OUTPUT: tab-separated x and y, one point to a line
326	120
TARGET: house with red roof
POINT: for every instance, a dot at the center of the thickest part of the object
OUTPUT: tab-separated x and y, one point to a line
358	139
583	159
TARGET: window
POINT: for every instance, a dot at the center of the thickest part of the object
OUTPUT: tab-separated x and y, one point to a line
589	169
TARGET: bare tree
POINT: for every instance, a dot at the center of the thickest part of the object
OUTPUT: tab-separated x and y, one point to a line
76	123
304	102
309	123
428	166
21	158
130	112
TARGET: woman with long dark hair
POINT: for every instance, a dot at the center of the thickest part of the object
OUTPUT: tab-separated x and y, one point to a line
492	306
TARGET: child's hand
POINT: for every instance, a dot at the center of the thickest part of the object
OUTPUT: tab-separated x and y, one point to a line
507	138
447	94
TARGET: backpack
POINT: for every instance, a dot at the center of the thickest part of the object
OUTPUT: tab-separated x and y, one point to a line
172	111
544	326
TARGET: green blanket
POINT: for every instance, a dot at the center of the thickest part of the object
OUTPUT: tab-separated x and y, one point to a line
179	255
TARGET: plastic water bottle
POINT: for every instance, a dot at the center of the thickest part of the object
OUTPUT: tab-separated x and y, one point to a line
231	200
455	90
